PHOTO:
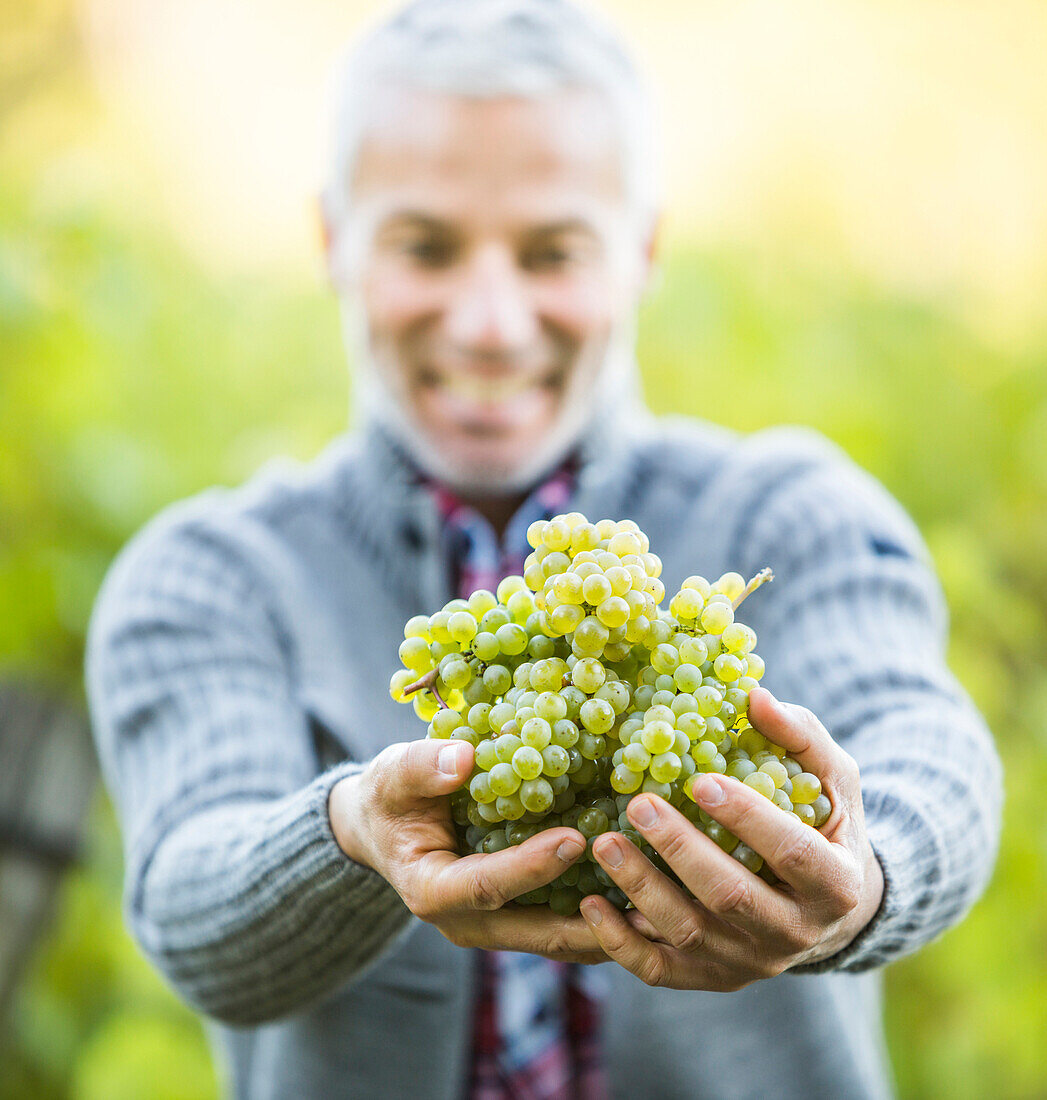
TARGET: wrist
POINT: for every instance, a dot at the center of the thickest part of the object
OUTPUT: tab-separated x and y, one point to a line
872	897
343	811
864	912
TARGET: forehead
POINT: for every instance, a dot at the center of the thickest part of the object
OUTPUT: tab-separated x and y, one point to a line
462	156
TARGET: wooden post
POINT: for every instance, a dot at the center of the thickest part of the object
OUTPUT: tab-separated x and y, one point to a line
48	771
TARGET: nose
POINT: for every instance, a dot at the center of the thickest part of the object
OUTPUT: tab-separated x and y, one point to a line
491	311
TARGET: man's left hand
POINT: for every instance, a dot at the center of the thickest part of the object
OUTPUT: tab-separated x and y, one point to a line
741	929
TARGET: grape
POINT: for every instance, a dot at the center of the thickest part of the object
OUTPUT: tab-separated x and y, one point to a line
687	677
739	769
588	675
486	755
512	638
496	678
686	604
760	782
804	812
495	841
592	822
414	653
480	788
536	795
506	746
728	667
510	807
822	810
597	715
665	767
782	801
625	780
658	737
478	717
776	770
747	857
399	680
721	836
806	787
692	724
579	687
592	745
504	779
555	760
445	722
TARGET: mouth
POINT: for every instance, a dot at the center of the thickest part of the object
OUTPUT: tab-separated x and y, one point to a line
486	388
490	404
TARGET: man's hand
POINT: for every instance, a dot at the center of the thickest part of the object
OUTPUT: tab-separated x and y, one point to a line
741	929
395	817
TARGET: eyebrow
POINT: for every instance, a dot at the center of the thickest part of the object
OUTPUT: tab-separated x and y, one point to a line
419	219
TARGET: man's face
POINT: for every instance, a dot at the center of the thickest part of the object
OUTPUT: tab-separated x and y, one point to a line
495	267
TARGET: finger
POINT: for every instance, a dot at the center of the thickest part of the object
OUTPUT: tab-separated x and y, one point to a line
643	925
449	884
657	964
721	884
404	774
582	958
800	732
798	854
533	929
676	918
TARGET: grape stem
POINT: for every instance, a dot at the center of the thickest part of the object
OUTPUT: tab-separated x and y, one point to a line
762	577
427	681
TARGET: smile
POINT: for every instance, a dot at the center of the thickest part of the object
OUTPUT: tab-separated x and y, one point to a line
490	388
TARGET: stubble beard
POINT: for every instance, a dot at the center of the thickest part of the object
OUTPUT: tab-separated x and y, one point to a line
598	394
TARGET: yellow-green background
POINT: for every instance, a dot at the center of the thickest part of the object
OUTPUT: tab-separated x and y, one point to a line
856	238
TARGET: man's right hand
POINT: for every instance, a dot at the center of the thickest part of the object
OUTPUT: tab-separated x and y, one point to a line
395	817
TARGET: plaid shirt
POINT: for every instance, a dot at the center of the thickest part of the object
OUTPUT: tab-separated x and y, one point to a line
535	1029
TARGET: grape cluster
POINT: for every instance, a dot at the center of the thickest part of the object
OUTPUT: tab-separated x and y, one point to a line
578	690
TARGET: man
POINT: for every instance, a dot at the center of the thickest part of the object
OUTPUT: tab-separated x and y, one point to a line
490	225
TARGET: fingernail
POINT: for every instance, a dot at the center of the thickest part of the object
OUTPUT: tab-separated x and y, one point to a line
708	792
570	850
611	853
448	759
592	913
643	812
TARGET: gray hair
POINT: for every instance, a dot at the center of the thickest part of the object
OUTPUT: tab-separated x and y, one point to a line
489	48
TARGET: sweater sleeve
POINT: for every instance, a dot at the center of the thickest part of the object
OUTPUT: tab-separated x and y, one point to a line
235	886
854	628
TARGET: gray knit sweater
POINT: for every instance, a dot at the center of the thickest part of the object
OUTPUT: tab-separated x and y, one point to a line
238	664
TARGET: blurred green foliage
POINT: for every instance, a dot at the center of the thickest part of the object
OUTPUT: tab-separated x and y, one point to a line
128	378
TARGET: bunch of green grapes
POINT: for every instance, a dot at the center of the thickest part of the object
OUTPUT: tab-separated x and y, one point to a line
578	690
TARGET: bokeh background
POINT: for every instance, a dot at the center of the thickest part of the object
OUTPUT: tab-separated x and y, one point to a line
855	238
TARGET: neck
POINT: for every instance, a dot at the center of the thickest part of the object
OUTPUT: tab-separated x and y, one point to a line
496	510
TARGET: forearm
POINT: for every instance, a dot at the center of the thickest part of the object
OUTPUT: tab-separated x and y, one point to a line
855	629
252	910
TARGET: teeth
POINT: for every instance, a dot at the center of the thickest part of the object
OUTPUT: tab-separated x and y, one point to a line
487	389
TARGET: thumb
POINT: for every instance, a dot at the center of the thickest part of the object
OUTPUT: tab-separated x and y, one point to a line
419	770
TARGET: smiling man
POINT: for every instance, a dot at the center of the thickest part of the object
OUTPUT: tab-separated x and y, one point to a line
489	265
290	857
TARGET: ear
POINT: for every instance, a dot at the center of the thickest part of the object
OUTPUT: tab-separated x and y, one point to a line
326	225
651	272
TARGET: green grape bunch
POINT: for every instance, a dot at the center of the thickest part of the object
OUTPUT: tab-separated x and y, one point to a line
578	689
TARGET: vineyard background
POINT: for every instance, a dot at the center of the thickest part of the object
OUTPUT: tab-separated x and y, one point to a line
855	239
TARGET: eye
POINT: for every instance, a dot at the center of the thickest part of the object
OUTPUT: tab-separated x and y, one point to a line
430	252
548	258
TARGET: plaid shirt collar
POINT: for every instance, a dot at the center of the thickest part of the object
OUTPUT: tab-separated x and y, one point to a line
481	559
